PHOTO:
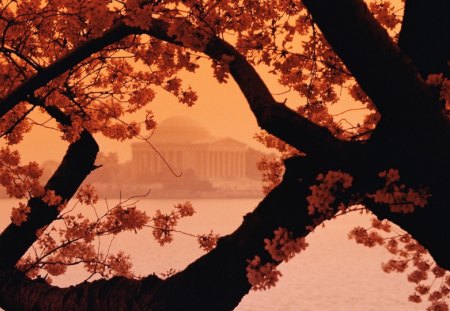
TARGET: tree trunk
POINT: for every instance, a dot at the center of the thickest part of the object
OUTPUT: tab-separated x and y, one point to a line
76	165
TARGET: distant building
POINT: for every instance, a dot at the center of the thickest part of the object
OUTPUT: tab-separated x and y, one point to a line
190	149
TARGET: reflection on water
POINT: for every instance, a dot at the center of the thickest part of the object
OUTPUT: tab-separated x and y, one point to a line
332	274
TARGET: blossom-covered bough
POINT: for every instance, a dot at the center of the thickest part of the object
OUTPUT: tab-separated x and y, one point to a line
88	65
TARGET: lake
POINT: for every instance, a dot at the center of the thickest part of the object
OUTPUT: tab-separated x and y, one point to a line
333	273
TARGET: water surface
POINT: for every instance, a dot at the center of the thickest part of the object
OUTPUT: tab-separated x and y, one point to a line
332	274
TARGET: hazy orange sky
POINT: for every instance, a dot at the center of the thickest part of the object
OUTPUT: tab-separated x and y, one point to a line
221	108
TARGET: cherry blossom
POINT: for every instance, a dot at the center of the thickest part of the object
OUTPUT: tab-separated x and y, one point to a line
398	197
283	246
87	195
106	87
208	241
324	194
262	276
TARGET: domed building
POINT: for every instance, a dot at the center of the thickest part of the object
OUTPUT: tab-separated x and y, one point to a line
189	149
180	130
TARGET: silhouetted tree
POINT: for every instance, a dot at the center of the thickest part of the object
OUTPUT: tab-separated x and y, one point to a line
86	64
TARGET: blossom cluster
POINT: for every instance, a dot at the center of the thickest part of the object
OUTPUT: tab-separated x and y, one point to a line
138	14
261	276
183	31
284	246
438	80
164	223
272	171
19	181
362	236
409	257
20	214
185	209
398	197
98	16
120	264
87	195
324	194
129	218
52	199
386	13
207	241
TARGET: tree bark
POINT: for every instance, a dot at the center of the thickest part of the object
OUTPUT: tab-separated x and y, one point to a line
398	140
216	281
385	73
413	130
425	35
271	116
76	165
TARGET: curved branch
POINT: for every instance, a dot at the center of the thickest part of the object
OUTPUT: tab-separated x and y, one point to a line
386	74
52	111
17	122
77	163
117	32
220	275
17	292
276	118
425	35
428	225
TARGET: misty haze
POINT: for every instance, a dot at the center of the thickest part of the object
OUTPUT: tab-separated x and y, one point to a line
187	162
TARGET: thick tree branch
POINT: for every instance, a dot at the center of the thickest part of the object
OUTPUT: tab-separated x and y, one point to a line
413	131
414	148
428	225
425	35
115	294
116	33
77	163
412	140
222	268
385	73
274	117
201	285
